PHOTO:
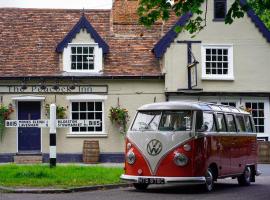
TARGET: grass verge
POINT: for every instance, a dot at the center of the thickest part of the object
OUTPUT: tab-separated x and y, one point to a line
67	176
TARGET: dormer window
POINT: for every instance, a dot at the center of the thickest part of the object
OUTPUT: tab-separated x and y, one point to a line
82	58
220	10
82	49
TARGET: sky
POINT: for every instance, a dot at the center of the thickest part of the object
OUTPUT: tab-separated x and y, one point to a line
67	4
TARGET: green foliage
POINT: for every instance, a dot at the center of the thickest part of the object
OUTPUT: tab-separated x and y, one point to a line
151	11
60	111
13	175
119	117
4	115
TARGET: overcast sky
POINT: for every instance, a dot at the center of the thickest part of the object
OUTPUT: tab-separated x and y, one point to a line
71	4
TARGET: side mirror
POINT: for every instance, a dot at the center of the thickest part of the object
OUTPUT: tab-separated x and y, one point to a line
203	128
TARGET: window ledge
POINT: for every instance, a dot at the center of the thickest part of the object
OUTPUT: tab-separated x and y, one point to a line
219	20
209	78
87	135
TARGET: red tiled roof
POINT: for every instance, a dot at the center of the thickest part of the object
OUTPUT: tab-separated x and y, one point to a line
28	38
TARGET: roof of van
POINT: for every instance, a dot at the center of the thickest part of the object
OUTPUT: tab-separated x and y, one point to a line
191	105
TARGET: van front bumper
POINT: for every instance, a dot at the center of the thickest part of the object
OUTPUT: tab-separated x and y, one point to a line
183	180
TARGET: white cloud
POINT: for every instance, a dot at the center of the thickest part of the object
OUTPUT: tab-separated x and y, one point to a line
69	4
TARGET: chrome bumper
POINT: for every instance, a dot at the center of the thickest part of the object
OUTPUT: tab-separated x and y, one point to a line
183	180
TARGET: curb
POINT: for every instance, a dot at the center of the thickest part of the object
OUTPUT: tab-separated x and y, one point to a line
69	190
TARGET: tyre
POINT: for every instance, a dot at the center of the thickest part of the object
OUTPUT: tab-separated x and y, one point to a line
140	186
245	178
209	181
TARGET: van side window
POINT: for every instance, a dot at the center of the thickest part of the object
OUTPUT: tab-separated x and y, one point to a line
208	123
248	124
231	123
221	122
241	123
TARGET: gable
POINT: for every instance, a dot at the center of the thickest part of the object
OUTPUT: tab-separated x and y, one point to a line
83	23
162	45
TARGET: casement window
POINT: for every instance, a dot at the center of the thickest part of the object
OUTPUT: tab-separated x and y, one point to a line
217	62
87	107
220	10
82	58
257	110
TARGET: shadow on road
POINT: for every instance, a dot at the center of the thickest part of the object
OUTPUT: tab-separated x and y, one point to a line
194	189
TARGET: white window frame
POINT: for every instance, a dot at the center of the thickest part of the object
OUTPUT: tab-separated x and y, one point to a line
230	75
98	60
87	98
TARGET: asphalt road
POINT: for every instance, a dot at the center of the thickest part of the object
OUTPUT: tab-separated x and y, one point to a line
226	189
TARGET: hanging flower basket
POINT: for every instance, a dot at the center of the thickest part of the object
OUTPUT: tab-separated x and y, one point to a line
4	115
119	117
60	111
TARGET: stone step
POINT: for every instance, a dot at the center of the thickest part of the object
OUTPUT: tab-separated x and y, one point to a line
28	159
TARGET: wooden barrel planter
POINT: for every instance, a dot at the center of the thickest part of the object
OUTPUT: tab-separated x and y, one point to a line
264	152
90	152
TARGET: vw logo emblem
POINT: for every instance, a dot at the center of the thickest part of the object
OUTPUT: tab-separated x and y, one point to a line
154	147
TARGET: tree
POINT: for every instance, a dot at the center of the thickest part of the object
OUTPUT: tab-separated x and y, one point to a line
151	11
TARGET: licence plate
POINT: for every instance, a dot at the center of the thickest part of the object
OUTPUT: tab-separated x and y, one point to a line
151	180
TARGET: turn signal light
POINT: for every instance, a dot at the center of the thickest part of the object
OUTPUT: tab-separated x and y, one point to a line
130	157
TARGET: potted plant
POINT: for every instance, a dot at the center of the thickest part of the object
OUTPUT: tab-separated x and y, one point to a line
5	112
119	117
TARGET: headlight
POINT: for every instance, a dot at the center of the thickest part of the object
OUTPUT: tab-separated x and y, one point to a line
130	157
180	159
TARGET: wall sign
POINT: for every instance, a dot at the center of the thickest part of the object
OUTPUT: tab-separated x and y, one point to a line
82	89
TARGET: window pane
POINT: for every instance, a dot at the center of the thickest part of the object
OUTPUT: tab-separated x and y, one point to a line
221	122
75	106
75	115
75	129
90	106
83	129
241	123
79	65
85	50
146	121
90	115
85	66
99	128
82	115
98	106
79	50
231	123
73	50
219	9
175	121
208	124
248	124
82	106
73	66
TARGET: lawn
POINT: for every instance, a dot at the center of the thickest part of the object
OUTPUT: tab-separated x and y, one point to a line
12	175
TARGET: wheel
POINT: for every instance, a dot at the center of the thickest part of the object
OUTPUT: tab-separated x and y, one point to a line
245	178
140	186
209	180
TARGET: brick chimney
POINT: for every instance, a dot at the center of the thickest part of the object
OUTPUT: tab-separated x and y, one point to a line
124	12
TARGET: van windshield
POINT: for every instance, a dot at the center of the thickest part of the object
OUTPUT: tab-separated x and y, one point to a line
175	121
162	121
146	120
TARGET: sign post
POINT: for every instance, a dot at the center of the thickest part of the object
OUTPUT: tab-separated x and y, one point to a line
52	135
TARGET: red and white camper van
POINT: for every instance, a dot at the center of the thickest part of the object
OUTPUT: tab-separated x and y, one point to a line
190	143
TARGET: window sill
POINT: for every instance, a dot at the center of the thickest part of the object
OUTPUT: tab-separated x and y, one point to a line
87	135
209	78
219	20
